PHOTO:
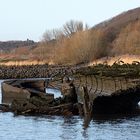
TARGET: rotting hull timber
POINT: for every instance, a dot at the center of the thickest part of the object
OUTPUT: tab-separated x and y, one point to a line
22	89
28	97
110	94
122	101
106	94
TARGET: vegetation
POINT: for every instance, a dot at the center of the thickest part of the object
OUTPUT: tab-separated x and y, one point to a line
76	43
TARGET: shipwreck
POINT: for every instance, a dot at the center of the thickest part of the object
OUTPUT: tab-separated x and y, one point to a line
85	92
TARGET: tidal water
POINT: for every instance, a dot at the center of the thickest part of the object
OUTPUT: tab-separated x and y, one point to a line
112	127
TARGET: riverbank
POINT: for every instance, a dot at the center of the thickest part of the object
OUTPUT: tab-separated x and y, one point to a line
26	71
47	71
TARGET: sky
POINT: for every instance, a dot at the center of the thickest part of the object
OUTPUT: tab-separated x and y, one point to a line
22	19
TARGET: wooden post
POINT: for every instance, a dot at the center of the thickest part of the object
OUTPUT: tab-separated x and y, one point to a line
87	107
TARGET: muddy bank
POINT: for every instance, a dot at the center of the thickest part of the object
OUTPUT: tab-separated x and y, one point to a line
15	72
45	71
32	71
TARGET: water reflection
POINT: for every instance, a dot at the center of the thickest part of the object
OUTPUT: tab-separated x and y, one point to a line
69	128
56	92
115	117
106	127
101	127
139	104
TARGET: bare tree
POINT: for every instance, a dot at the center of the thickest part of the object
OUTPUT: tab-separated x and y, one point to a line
47	36
54	34
69	28
72	27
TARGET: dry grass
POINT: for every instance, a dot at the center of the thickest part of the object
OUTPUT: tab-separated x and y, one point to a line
127	59
21	63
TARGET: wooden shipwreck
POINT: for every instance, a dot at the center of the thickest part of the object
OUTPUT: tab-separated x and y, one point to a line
22	90
30	97
111	89
98	89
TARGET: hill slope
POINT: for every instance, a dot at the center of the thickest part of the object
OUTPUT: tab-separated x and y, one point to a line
121	20
10	45
122	32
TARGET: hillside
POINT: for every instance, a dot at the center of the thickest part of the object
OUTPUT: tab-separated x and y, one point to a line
75	43
7	46
122	32
13	51
121	20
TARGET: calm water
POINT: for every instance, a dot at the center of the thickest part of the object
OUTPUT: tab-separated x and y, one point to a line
64	128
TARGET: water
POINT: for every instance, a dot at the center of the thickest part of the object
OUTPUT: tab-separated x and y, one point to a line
69	128
56	92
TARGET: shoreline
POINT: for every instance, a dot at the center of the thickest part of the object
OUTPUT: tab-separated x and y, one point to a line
51	71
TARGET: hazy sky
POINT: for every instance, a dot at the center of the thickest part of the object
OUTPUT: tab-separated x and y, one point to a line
22	19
